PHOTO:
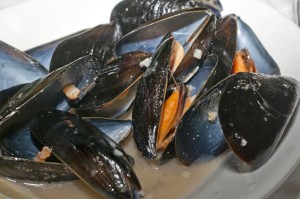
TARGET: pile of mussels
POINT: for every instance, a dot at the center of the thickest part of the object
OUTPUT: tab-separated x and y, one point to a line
192	82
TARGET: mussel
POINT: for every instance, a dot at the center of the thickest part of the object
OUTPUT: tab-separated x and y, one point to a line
130	14
185	27
93	157
246	110
48	92
151	93
115	87
98	41
19	149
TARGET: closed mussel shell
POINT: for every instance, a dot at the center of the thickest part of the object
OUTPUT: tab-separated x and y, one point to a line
254	111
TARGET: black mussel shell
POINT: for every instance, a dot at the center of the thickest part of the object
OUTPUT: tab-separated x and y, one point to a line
24	169
199	79
196	54
199	136
149	99
117	130
6	94
47	92
98	41
183	25
92	156
44	52
224	47
20	143
130	14
16	67
168	154
254	111
115	87
248	111
19	148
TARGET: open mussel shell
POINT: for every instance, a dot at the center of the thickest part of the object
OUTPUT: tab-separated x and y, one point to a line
198	80
17	67
254	111
98	41
20	143
199	136
198	48
47	92
91	155
117	130
248	111
248	39
115	88
148	36
24	169
44	52
149	99
19	148
130	14
224	47
6	94
168	154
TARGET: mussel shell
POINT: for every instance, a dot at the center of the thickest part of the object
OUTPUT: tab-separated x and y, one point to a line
148	36
130	14
168	154
262	59
44	52
99	41
92	155
254	111
115	87
201	42
17	67
224	47
47	92
117	130
6	94
20	143
19	147
199	135
198	80
24	169
149	99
